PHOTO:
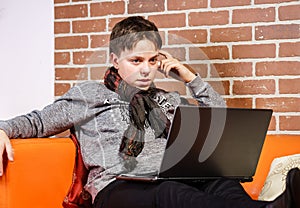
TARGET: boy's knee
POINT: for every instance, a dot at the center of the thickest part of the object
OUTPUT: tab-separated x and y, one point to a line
172	194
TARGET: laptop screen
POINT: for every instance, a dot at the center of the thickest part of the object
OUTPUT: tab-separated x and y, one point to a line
212	142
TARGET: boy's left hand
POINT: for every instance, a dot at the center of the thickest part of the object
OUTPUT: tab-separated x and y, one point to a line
5	145
172	67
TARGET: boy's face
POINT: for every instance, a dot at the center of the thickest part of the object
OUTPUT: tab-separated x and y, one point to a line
137	67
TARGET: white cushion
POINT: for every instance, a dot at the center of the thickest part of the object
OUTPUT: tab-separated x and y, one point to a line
275	182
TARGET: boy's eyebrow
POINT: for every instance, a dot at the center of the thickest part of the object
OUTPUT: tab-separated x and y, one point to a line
162	55
137	55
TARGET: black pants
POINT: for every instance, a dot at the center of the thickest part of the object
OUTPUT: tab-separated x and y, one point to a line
170	194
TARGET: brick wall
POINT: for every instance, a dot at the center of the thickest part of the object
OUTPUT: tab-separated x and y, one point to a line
247	49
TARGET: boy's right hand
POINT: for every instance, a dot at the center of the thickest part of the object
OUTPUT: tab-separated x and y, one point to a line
5	145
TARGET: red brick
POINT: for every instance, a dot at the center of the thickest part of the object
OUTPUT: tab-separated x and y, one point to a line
72	11
281	104
210	52
192	101
71	74
183	5
169	20
208	18
278	68
99	41
239	102
289	12
271	1
291	31
241	69
254	51
113	21
162	35
61	27
97	73
89	57
231	34
85	26
229	3
60	1
143	6
221	87
252	87
201	69
289	86
187	36
107	8
71	42
289	123
272	125
172	86
253	15
61	58
289	49
61	88
178	53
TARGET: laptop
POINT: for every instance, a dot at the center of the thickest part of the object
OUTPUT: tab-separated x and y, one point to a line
206	143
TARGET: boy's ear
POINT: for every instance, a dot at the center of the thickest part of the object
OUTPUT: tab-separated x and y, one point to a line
114	60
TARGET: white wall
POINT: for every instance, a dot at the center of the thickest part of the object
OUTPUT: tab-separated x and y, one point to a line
26	56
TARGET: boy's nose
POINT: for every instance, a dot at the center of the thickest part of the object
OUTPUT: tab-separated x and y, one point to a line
145	70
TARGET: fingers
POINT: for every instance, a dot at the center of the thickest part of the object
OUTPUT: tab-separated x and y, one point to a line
169	66
172	67
5	145
165	54
9	151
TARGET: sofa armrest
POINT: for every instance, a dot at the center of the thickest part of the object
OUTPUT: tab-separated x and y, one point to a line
274	146
40	175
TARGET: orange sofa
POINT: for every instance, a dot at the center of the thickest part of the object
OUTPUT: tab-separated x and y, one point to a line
41	174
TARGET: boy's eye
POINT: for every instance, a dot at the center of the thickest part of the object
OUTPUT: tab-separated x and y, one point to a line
135	61
139	60
153	60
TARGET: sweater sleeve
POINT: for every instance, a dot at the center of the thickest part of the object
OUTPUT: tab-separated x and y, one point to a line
57	117
49	121
204	93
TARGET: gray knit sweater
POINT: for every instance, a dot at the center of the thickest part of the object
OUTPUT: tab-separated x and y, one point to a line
100	119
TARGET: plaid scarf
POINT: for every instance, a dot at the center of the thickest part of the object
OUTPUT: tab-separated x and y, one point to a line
143	111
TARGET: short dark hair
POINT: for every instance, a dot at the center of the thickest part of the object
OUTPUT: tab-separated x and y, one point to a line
126	33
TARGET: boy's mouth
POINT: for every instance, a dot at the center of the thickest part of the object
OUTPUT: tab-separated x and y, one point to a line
144	80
